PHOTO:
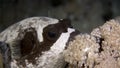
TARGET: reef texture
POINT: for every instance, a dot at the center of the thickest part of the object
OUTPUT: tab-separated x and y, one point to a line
100	49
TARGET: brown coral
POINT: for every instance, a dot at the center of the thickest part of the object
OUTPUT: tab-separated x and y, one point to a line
82	50
100	49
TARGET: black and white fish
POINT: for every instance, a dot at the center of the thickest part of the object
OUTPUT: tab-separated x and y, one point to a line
38	42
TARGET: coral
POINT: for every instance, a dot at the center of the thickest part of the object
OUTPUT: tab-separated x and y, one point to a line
100	49
111	33
81	50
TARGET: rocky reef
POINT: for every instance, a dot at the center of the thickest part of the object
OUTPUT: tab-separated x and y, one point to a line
99	49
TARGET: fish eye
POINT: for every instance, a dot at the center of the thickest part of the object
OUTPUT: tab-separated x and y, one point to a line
52	34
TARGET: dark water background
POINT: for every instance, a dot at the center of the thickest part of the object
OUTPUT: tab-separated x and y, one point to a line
85	14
